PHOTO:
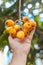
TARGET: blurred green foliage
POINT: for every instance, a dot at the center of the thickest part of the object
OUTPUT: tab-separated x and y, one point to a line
12	13
3	40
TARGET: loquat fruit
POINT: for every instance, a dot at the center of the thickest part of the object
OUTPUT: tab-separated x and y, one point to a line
9	22
26	19
25	31
12	32
27	25
8	29
20	35
17	27
33	23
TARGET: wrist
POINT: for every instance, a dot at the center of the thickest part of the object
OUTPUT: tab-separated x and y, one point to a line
19	59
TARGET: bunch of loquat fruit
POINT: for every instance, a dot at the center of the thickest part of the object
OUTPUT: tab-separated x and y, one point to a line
20	31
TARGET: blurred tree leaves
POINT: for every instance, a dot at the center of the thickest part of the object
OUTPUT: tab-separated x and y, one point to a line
3	40
12	12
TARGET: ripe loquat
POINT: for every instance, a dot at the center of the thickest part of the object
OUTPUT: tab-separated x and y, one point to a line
17	27
20	35
25	31
8	29
12	32
27	25
26	19
9	22
33	23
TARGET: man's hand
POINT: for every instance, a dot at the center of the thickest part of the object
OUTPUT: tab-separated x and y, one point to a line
21	47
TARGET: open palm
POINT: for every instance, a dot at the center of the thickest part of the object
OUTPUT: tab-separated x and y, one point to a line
21	46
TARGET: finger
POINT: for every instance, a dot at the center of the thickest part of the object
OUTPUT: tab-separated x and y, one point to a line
14	42
10	39
31	34
27	40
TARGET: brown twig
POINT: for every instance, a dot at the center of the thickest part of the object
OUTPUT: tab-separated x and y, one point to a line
20	9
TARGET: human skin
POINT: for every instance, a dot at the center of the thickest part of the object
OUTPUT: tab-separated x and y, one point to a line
20	49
